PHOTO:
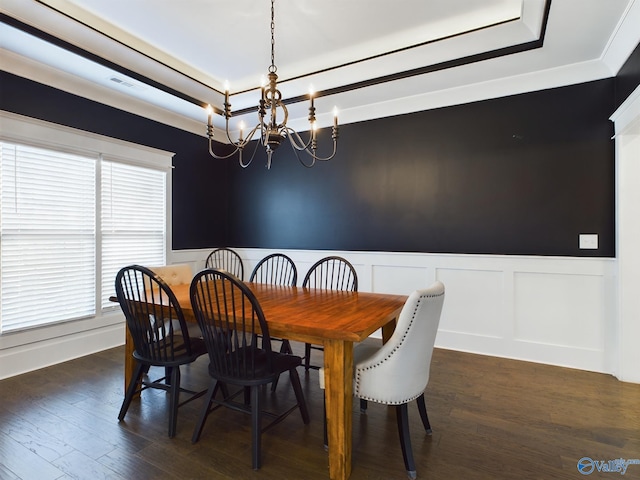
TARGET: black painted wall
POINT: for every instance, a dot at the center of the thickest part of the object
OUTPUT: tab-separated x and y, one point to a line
628	78
517	175
200	191
524	174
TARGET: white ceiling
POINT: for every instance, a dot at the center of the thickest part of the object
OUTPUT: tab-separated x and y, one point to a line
343	49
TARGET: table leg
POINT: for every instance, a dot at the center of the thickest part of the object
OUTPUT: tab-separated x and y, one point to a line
387	330
338	362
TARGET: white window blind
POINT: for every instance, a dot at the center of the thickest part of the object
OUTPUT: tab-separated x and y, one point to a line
47	236
75	207
133	220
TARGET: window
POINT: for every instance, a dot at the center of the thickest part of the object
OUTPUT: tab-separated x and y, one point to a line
48	236
69	220
133	220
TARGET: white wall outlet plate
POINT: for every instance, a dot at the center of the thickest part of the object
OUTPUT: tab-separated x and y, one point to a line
589	241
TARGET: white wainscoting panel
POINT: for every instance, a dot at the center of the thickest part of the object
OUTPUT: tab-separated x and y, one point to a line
559	311
554	310
398	279
474	302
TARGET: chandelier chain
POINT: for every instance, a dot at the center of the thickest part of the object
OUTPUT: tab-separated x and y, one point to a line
273	68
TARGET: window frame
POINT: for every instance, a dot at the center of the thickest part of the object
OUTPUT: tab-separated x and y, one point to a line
26	130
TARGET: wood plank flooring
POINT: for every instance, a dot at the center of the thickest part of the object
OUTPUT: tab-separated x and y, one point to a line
492	418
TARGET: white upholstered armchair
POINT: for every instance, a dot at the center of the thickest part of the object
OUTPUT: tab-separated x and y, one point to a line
176	274
398	371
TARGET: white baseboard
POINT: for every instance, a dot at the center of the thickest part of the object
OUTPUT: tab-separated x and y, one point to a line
41	354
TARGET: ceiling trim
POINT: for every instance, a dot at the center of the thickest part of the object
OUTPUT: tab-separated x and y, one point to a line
482	56
47	37
384	54
456	62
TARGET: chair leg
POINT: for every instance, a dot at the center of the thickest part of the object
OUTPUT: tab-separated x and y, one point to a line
224	388
422	408
307	356
256	427
402	415
274	385
174	397
286	347
363	405
131	388
204	412
297	389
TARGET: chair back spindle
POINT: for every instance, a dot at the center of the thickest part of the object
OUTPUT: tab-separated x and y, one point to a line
154	317
329	273
232	324
275	269
332	273
226	259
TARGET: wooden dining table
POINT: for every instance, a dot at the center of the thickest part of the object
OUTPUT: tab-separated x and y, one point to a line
334	319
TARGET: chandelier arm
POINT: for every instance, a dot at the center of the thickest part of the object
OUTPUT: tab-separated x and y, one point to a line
296	140
229	135
240	143
326	159
221	157
250	135
295	151
255	149
316	157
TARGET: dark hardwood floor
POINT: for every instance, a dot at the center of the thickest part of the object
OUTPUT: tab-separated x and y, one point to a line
492	419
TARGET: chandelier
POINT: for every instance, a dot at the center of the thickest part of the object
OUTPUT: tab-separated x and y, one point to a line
272	122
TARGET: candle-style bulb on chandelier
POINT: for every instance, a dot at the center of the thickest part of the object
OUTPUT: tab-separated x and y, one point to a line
272	122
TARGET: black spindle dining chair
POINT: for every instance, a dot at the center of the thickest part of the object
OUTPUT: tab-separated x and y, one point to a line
330	273
237	337
160	337
226	259
276	269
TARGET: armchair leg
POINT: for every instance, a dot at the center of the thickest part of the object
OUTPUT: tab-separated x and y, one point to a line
422	408
363	405
402	415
